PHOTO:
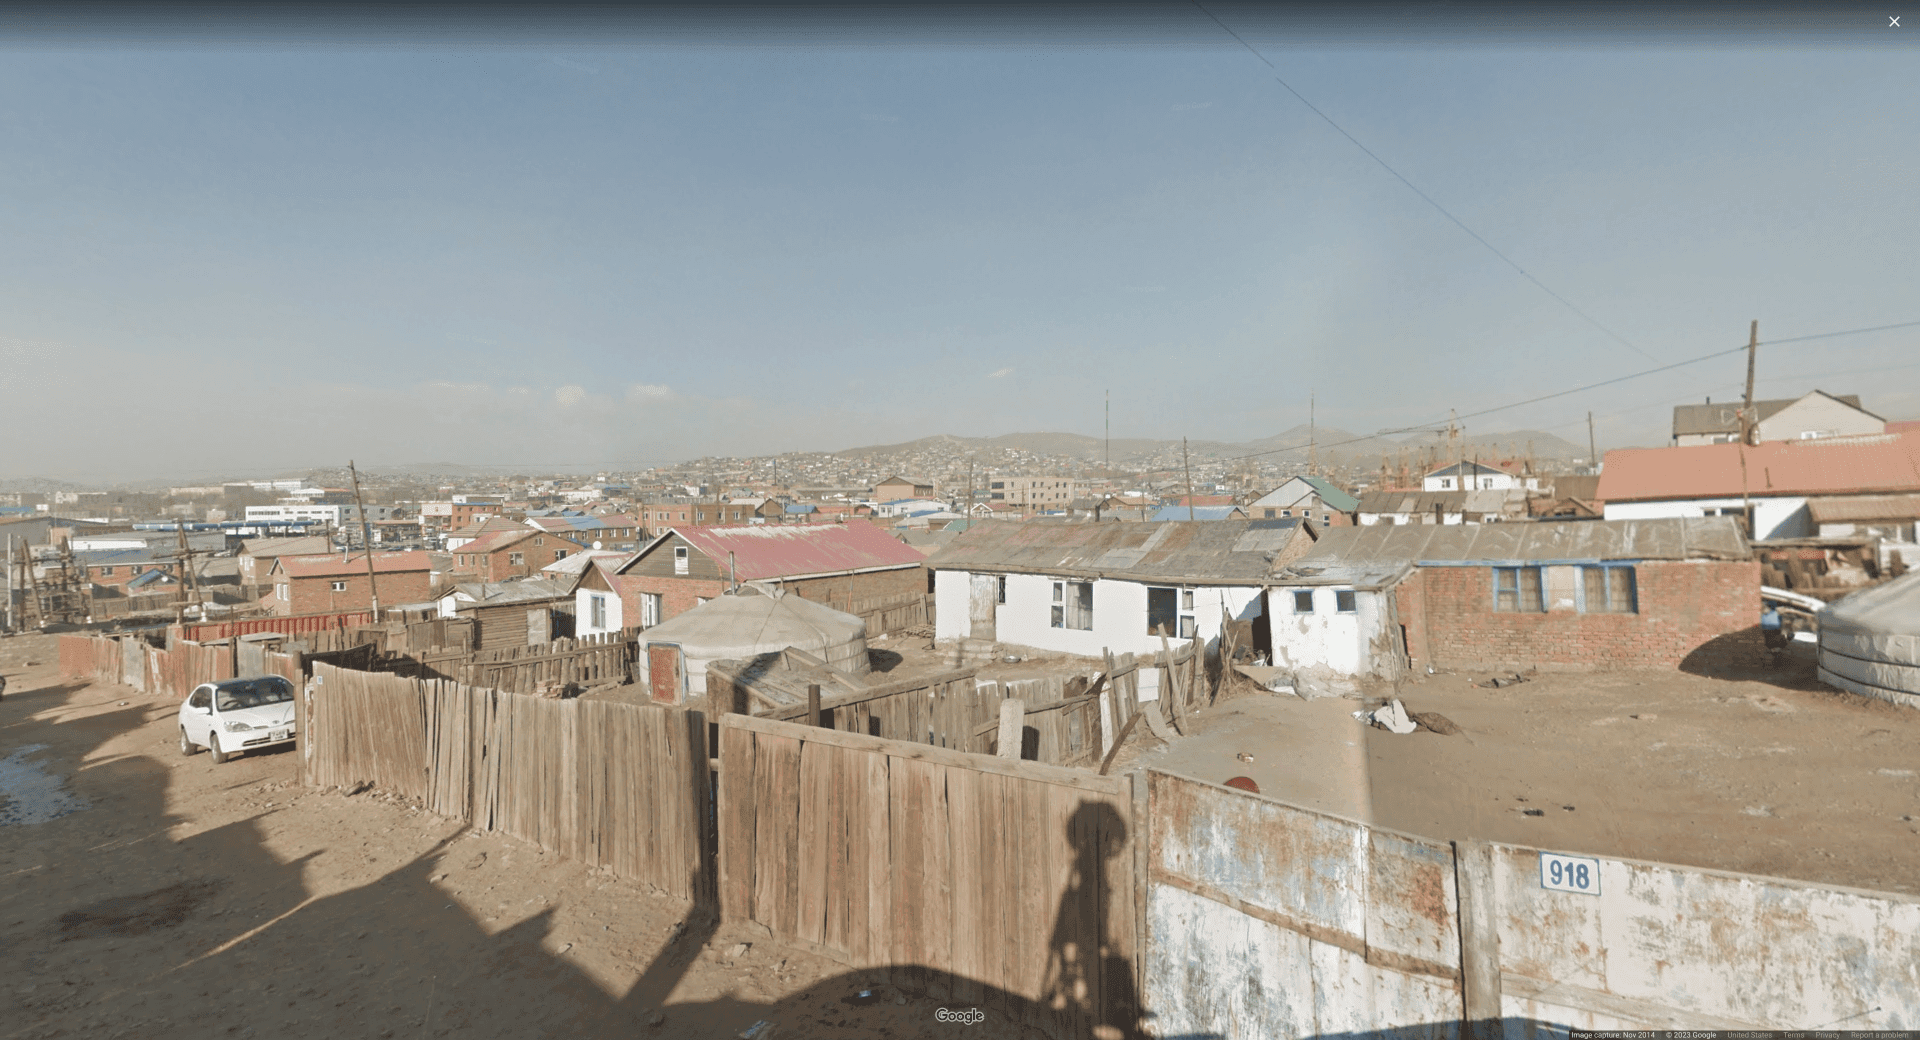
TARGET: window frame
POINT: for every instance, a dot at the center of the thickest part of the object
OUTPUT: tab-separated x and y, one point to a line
1512	581
338	586
1308	593
1608	588
1069	608
1346	601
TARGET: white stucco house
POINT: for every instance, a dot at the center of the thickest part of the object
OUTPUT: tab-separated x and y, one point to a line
1314	497
1811	416
1088	588
1776	479
1474	476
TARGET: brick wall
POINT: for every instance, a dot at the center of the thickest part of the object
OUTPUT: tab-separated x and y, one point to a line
677	595
316	595
1689	607
124	572
534	553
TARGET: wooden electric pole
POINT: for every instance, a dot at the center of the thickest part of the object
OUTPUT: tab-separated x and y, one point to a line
366	538
1748	427
1593	453
1184	461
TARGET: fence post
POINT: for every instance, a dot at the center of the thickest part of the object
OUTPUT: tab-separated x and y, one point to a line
813	705
1479	941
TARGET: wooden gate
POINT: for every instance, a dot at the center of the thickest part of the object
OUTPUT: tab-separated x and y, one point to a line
666	672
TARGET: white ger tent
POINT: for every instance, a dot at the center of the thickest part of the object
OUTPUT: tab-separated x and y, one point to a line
1870	641
746	624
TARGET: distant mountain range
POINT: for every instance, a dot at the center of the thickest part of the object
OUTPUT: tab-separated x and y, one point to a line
1349	447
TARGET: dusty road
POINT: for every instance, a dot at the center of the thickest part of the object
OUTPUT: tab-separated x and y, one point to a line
1770	773
175	897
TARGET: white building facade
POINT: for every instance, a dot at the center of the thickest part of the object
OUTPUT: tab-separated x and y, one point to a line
1084	616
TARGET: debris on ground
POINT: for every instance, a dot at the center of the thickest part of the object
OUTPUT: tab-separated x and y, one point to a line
1533	812
1391	717
1499	681
1434	722
1244	757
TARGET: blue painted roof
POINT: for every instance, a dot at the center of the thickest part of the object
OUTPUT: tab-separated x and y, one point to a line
1174	513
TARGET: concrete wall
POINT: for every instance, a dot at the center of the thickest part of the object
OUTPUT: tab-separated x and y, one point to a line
1350	644
1119	614
1784	517
1673	947
1265	920
583	612
1822	416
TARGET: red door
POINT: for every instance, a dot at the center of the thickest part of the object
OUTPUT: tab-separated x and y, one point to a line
663	672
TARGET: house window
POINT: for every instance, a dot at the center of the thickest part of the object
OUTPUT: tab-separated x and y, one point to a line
339	586
1517	590
1000	589
679	559
1446	483
516	559
106	572
539	539
1607	590
1269	515
1303	601
1073	605
1343	601
1286	512
559	554
598	612
700	517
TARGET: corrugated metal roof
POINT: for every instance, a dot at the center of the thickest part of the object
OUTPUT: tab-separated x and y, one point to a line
1475	501
1204	552
266	548
489	594
770	551
1674	538
1173	513
1861	508
1880	462
353	563
1694	419
1331	495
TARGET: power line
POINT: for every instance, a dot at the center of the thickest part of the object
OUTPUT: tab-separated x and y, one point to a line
1457	222
1591	386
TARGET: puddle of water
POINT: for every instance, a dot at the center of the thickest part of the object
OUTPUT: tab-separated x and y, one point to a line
33	794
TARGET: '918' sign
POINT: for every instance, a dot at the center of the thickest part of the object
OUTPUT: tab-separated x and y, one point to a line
1569	874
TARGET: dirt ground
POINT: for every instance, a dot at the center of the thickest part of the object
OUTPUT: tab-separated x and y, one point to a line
178	897
1769	773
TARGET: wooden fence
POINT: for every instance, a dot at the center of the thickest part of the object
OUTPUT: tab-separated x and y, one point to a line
625	786
942	710
586	661
132	661
894	613
979	880
292	625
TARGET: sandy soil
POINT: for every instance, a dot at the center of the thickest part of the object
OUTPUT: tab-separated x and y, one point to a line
1768	773
185	898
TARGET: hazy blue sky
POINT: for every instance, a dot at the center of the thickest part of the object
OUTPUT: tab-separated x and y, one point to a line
237	257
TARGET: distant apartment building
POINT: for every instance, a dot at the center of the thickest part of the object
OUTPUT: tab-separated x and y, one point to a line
1048	492
462	511
317	513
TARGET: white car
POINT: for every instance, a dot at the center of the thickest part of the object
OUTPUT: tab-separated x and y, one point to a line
236	715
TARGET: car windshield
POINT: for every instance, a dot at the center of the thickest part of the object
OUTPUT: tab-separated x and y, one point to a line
253	694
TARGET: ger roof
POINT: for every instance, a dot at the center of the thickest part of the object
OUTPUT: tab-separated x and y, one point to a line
352	563
769	551
1523	542
1222	552
1873	463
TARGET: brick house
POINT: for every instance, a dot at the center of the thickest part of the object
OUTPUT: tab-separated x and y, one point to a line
506	555
111	568
835	564
257	555
1562	596
338	581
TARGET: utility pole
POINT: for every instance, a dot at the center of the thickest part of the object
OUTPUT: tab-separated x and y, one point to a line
1593	453
1747	426
366	536
192	574
1313	437
1184	461
1109	436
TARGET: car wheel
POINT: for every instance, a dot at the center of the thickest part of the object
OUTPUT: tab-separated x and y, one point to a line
213	746
187	747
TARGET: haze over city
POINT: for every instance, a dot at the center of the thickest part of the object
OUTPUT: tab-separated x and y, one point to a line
629	249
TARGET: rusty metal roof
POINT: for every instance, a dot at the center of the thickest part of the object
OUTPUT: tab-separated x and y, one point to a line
1215	552
336	564
774	551
1861	508
1538	542
1878	462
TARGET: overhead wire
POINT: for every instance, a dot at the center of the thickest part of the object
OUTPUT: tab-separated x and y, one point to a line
1443	211
1426	427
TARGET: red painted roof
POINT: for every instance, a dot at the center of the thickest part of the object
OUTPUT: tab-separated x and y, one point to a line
1827	466
1904	426
764	551
336	564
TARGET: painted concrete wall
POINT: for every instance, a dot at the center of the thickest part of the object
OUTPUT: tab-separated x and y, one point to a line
583	613
1343	642
1820	416
1785	517
1678	947
1119	614
1265	920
